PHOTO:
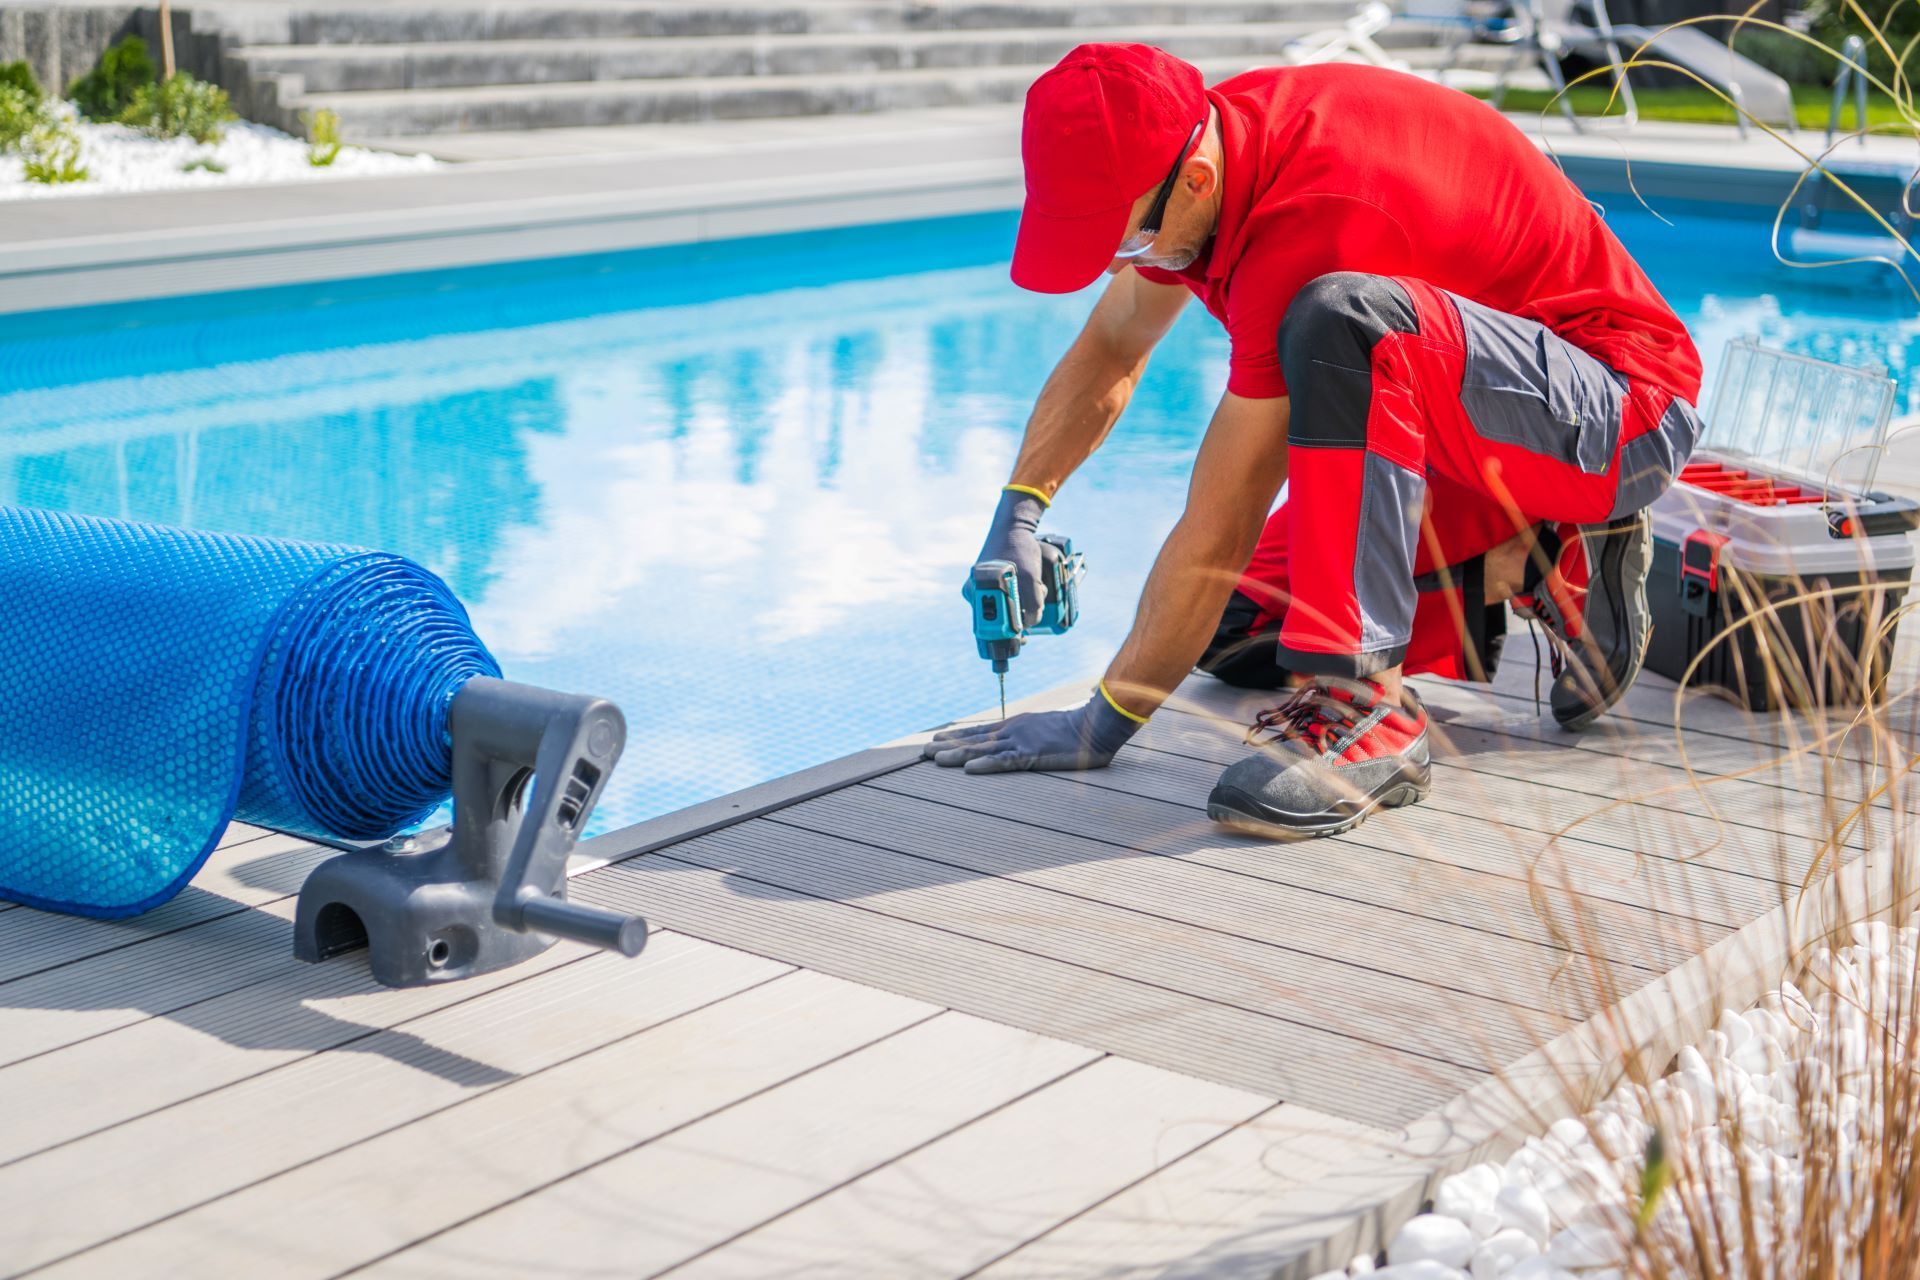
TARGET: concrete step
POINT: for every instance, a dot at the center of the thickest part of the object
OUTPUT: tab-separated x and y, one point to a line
440	23
367	68
388	113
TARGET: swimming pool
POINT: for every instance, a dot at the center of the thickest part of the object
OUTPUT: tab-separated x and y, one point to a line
733	487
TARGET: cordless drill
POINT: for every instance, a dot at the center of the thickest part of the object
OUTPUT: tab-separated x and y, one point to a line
994	593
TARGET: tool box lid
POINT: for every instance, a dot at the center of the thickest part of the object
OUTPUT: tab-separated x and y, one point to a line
1784	541
1794	416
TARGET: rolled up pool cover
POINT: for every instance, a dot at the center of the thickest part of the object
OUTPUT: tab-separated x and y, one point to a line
157	683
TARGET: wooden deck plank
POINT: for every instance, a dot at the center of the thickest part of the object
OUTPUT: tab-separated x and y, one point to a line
721	1027
1022	989
164	976
484	1034
667	1199
236	876
1258	979
1106	804
965	843
1530	811
1382	876
977	1194
1212	1213
1653	706
1475	729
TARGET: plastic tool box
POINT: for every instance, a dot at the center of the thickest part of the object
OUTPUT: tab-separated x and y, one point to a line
1778	569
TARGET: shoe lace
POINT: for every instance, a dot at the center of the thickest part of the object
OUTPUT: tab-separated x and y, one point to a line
1543	610
1311	713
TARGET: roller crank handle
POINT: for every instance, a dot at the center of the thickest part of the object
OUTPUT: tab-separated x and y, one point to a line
608	930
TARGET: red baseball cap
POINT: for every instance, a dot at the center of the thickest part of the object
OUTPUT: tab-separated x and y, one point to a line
1101	130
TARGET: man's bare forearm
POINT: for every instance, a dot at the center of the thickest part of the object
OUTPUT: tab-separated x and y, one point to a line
1241	465
1078	406
1180	609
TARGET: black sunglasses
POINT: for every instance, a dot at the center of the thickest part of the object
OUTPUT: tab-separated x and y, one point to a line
1142	240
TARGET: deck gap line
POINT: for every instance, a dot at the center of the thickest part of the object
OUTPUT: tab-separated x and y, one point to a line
1529	782
1066	779
372	988
146	1016
149	937
1549	947
1117	1192
1552	836
1100	1055
480	1092
1172	920
1075	964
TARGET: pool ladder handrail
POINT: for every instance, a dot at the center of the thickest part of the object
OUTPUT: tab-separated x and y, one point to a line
1853	53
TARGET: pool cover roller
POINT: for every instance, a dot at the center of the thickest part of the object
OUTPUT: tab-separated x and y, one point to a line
158	683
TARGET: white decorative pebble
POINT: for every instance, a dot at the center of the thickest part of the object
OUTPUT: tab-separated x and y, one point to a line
1432	1237
1502	1253
1568	1132
1738	1106
1583	1245
1425	1269
1523	1209
1536	1269
1468	1194
121	159
1362	1265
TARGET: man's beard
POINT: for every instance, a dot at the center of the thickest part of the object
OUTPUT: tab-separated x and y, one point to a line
1178	261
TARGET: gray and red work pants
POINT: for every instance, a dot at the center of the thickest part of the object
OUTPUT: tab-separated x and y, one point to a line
1426	430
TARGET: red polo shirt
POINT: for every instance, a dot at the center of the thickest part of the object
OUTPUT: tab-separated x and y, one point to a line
1348	168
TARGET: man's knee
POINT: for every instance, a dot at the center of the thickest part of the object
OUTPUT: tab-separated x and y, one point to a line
1327	339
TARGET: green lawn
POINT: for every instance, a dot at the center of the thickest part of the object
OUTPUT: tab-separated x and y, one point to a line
1697	106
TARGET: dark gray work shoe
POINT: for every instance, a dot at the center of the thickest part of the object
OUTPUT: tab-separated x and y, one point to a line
1331	754
1599	623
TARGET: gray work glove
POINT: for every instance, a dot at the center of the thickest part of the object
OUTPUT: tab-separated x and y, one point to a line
1012	538
1084	738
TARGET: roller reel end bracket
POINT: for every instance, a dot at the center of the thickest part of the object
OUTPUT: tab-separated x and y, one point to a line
489	891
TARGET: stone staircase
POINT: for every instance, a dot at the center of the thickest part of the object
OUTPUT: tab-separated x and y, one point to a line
411	67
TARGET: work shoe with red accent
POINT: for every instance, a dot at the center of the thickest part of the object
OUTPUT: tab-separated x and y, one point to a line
1329	755
1595	611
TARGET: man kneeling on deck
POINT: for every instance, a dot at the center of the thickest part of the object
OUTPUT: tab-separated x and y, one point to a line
1473	389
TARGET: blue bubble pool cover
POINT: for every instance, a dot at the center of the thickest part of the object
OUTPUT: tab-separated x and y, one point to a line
157	683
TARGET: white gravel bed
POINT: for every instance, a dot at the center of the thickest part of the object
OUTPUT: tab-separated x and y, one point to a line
1564	1207
121	159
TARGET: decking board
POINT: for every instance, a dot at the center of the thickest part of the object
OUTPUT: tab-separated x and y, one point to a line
961	843
716	1029
1149	1024
667	1199
976	1195
1257	979
1058	1022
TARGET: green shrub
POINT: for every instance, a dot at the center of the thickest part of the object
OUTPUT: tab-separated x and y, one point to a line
52	154
19	75
1793	60
323	137
20	115
207	163
180	106
123	70
1834	20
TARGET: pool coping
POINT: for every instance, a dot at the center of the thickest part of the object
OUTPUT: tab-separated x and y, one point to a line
79	251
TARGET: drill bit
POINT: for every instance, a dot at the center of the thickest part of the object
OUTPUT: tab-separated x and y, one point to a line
1003	695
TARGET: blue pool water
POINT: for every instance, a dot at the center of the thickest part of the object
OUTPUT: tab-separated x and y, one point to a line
733	487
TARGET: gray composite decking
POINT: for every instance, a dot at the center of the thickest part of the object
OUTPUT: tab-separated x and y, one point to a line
898	1021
